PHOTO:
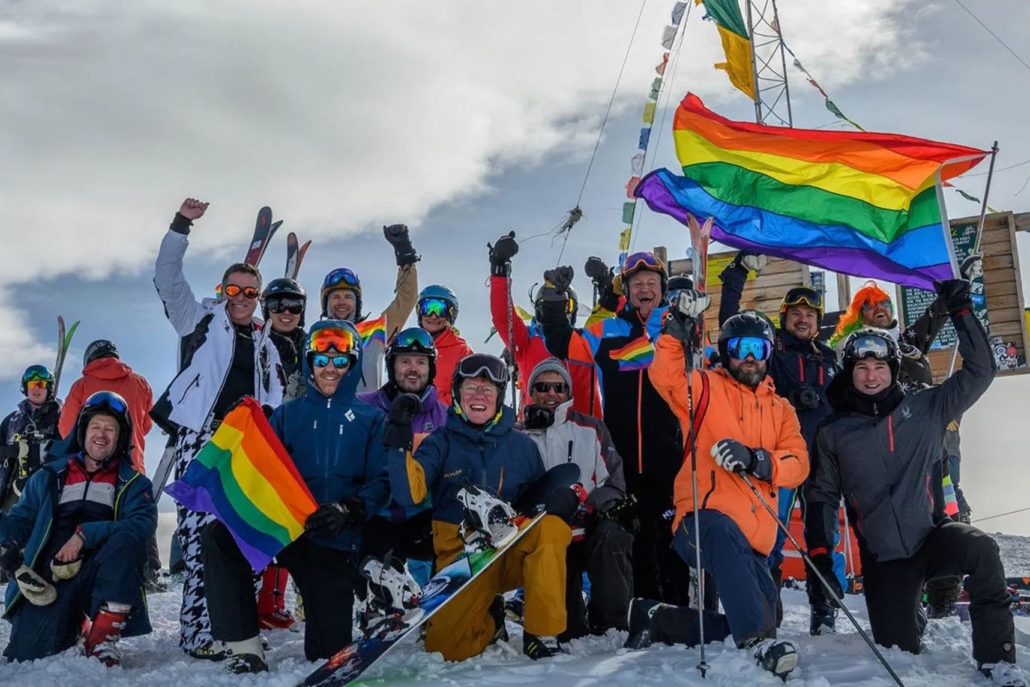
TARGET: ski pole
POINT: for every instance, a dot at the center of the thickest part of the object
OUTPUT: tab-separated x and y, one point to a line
702	665
823	580
511	348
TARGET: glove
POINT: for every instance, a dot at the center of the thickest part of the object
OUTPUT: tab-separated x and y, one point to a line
691	303
537	417
972	267
749	260
560	277
399	433
501	254
598	273
10	558
397	235
955	294
733	456
563	503
65	571
333	518
294	386
623	512
16	451
817	595
679	326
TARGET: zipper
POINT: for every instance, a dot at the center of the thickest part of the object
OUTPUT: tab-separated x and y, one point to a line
704	502
570	452
640	432
195	382
500	483
225	375
890	431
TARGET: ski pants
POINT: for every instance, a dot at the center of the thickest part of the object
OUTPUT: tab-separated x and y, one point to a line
605	557
955	469
194	626
658	573
114	573
463	628
894	590
750	603
325	577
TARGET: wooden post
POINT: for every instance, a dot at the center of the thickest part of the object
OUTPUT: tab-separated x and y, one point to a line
843	292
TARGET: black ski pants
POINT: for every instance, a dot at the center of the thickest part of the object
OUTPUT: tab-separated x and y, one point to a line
658	571
894	589
325	577
605	557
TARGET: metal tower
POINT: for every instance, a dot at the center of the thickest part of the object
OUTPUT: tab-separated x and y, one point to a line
769	62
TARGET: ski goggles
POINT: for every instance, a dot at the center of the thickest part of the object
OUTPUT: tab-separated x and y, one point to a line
36	373
740	347
642	261
106	399
803	296
233	290
435	306
341	275
869	346
556	387
292	305
340	362
482	365
332	339
414	339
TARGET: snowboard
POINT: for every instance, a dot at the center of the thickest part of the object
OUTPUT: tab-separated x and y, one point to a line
351	662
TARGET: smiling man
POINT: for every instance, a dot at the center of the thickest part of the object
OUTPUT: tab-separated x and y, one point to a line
282	305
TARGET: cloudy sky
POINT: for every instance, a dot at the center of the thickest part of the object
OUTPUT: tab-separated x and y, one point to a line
462	119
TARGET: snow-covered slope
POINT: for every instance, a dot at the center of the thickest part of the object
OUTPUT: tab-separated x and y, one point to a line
155	660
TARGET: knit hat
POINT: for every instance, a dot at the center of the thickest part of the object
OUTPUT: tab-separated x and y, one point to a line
551	365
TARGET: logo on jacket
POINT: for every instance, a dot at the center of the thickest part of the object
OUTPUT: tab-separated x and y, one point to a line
349	415
906	412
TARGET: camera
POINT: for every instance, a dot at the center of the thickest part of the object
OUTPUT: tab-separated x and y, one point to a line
806	398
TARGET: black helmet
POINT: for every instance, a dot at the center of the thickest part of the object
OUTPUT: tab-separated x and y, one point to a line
285	288
480	365
413	340
870	342
680	282
101	348
38	373
745	323
106	403
571	308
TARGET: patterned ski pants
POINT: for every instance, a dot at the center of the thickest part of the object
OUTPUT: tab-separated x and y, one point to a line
194	626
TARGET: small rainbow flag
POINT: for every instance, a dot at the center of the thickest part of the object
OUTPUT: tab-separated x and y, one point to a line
372	330
636	355
246	479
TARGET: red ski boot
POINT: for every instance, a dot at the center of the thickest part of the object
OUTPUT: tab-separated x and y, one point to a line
103	633
271	602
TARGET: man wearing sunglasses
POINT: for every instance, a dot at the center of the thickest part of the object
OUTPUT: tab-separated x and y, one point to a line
27	433
742	427
605	523
801	368
76	543
336	443
282	306
880	451
437	311
225	355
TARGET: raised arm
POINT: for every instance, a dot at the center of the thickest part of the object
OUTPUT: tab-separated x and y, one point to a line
181	307
406	289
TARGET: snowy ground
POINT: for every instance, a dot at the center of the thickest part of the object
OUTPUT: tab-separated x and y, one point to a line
155	660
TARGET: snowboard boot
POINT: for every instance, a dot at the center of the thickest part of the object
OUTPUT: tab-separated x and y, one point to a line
246	657
540	647
271	601
392	590
515	609
98	641
154	582
488	515
941	596
778	656
497	612
641	623
210	650
822	620
1004	674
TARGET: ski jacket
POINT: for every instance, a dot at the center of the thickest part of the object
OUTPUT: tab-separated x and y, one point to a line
726	409
529	348
336	443
585	441
882	455
450	348
29	525
795	365
39	427
191	396
111	374
393	319
645	431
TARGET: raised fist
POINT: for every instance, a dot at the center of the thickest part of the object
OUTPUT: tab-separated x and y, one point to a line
193	209
597	271
560	277
690	303
501	254
396	234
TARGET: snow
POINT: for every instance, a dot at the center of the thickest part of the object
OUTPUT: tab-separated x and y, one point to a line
155	660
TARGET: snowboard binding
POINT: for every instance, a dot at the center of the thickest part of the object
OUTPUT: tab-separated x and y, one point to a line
489	522
391	605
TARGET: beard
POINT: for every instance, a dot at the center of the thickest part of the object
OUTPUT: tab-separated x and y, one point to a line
751	378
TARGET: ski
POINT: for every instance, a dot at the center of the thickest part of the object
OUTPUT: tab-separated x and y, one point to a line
699	238
294	255
264	229
64	342
164	468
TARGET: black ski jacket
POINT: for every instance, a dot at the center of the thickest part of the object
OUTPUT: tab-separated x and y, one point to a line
883	455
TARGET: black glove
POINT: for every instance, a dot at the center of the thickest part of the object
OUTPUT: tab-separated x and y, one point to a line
501	254
623	512
560	277
398	432
817	595
598	272
679	326
562	503
333	518
10	558
733	456
397	235
955	294
537	417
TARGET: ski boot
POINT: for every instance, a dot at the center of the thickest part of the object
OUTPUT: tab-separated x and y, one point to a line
100	636
540	647
640	619
497	613
778	656
515	607
1004	674
822	620
392	601
488	515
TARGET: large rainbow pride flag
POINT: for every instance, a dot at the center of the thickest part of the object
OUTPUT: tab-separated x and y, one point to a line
246	479
864	204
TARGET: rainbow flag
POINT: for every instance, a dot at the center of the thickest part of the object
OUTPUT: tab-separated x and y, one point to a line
863	204
246	479
636	355
372	330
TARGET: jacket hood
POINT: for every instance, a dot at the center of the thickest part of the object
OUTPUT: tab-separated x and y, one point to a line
52	405
448	338
348	385
107	368
878	405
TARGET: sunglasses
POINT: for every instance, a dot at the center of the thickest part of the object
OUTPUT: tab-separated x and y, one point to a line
331	338
294	306
340	362
886	305
803	296
740	347
434	306
106	399
37	384
233	290
556	387
414	338
341	275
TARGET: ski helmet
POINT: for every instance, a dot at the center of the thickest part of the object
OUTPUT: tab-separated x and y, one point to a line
106	403
429	303
284	289
341	278
802	295
340	336
751	325
571	307
642	262
870	342
479	365
676	284
101	348
411	341
38	373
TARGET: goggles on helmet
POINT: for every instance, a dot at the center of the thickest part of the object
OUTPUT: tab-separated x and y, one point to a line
483	366
869	346
414	339
332	339
435	306
341	275
106	399
36	373
803	296
740	347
